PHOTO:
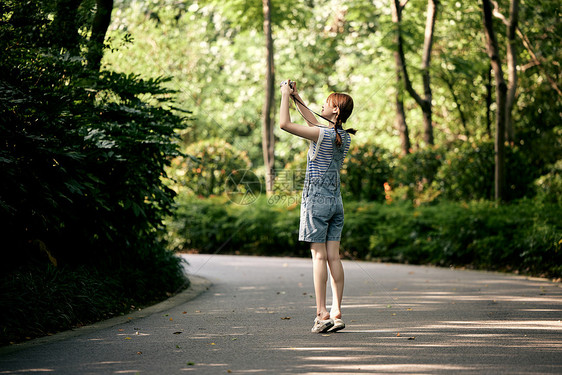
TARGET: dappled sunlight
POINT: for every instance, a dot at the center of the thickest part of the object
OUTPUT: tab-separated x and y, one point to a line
408	368
497	324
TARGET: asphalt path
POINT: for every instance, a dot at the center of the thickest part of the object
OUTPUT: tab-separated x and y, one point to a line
253	315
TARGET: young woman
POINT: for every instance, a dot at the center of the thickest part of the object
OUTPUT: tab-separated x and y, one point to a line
321	221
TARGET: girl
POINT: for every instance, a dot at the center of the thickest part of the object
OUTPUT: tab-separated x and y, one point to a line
321	221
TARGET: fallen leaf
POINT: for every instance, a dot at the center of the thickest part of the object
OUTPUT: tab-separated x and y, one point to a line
190	364
234	339
171	319
410	309
213	343
139	353
393	314
185	312
120	329
177	333
398	334
286	318
128	338
412	338
388	306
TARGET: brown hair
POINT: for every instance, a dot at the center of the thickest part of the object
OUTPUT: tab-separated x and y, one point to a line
344	104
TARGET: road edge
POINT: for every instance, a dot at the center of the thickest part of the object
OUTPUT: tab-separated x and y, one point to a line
197	286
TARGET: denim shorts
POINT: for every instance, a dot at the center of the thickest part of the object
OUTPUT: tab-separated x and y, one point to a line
321	218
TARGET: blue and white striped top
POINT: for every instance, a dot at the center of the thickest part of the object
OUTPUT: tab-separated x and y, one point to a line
320	153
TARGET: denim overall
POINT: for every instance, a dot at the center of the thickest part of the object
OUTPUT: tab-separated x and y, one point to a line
321	217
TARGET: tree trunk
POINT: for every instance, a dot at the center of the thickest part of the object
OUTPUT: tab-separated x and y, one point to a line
425	102
489	101
401	126
400	117
511	69
426	59
501	93
268	140
100	25
65	26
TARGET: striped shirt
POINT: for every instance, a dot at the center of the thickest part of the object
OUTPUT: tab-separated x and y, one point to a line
320	152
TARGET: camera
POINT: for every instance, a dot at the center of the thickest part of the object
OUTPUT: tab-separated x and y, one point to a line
291	84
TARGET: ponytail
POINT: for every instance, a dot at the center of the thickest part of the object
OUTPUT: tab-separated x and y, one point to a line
344	104
338	125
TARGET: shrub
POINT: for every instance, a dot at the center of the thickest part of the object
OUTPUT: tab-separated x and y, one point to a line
468	173
414	173
524	236
366	168
206	167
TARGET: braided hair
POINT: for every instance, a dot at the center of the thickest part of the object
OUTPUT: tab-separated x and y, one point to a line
344	105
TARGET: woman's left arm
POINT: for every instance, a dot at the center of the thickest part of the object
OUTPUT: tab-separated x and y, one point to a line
307	132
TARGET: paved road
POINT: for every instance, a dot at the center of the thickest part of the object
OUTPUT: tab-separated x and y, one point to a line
256	319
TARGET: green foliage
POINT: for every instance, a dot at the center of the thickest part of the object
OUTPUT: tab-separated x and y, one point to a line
84	153
265	227
206	167
366	169
549	186
82	157
44	299
467	173
524	236
414	173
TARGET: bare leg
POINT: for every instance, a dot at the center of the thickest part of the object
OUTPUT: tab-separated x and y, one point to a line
320	276
337	276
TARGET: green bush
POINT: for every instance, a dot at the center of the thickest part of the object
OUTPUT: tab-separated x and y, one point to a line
82	157
265	227
549	186
525	236
44	299
206	167
82	154
366	168
418	169
468	173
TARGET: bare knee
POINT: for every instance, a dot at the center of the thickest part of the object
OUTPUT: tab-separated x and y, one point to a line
319	252
333	258
319	256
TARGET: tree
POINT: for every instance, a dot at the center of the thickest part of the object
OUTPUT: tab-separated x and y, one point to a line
425	102
501	94
511	25
268	139
100	24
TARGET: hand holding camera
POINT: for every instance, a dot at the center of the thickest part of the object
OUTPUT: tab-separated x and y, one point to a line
288	87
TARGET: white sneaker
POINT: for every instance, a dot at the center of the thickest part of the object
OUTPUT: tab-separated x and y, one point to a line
338	325
321	326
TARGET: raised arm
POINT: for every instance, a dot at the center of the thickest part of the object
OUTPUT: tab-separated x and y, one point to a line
309	117
307	132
